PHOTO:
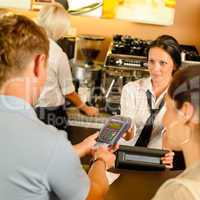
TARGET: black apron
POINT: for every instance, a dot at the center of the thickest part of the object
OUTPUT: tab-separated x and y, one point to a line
55	116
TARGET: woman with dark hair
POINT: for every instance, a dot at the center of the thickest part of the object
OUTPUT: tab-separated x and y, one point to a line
182	124
168	38
143	100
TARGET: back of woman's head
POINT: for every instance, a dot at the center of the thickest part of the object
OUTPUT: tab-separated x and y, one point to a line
4	12
170	45
54	18
185	87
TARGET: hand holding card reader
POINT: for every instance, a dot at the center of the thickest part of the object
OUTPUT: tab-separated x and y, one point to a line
113	130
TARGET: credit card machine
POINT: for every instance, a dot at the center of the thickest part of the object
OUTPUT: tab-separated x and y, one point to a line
113	130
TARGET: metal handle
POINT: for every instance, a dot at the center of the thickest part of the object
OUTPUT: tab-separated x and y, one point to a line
109	89
85	9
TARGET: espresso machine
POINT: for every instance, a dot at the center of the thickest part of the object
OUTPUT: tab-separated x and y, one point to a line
125	61
85	69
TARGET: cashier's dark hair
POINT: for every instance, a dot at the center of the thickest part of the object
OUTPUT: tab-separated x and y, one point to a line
20	39
171	46
185	87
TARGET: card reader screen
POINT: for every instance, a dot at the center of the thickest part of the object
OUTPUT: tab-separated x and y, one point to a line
115	125
142	158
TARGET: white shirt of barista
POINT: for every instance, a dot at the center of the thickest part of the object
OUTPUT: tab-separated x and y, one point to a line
134	105
59	81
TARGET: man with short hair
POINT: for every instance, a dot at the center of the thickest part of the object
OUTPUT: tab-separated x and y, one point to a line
35	160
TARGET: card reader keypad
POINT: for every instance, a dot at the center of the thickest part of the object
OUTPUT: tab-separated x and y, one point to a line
108	134
113	130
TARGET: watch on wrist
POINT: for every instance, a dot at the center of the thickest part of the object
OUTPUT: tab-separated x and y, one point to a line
98	159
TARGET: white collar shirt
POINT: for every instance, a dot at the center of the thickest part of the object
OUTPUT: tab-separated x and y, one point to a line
134	104
59	78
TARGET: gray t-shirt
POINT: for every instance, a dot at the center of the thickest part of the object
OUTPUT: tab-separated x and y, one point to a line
36	159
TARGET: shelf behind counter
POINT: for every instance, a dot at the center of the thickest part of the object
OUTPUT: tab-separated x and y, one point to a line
76	118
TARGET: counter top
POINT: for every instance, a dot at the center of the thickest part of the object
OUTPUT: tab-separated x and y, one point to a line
137	184
76	118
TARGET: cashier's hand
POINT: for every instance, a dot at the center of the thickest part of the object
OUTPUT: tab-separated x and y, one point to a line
89	110
86	146
167	160
129	134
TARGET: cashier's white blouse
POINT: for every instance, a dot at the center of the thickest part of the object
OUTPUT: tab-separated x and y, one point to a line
134	105
59	79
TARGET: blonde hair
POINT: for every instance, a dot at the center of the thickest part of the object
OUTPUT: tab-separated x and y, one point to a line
5	12
20	40
55	19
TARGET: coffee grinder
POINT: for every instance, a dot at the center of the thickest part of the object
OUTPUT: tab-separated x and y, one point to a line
85	68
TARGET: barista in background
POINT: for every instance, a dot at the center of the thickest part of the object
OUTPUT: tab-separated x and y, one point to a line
51	105
4	12
163	60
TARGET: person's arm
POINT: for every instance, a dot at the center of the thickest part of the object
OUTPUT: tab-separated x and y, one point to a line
86	145
76	100
64	173
67	179
67	88
97	174
99	184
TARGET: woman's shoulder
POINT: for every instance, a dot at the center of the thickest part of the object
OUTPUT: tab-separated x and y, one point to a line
185	186
54	47
137	84
192	172
176	189
56	54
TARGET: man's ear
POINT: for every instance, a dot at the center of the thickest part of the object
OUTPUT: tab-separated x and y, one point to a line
188	111
39	64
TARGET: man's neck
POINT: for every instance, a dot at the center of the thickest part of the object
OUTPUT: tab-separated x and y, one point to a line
17	88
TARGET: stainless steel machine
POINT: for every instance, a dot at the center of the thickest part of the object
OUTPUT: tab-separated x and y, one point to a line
125	61
101	84
85	69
